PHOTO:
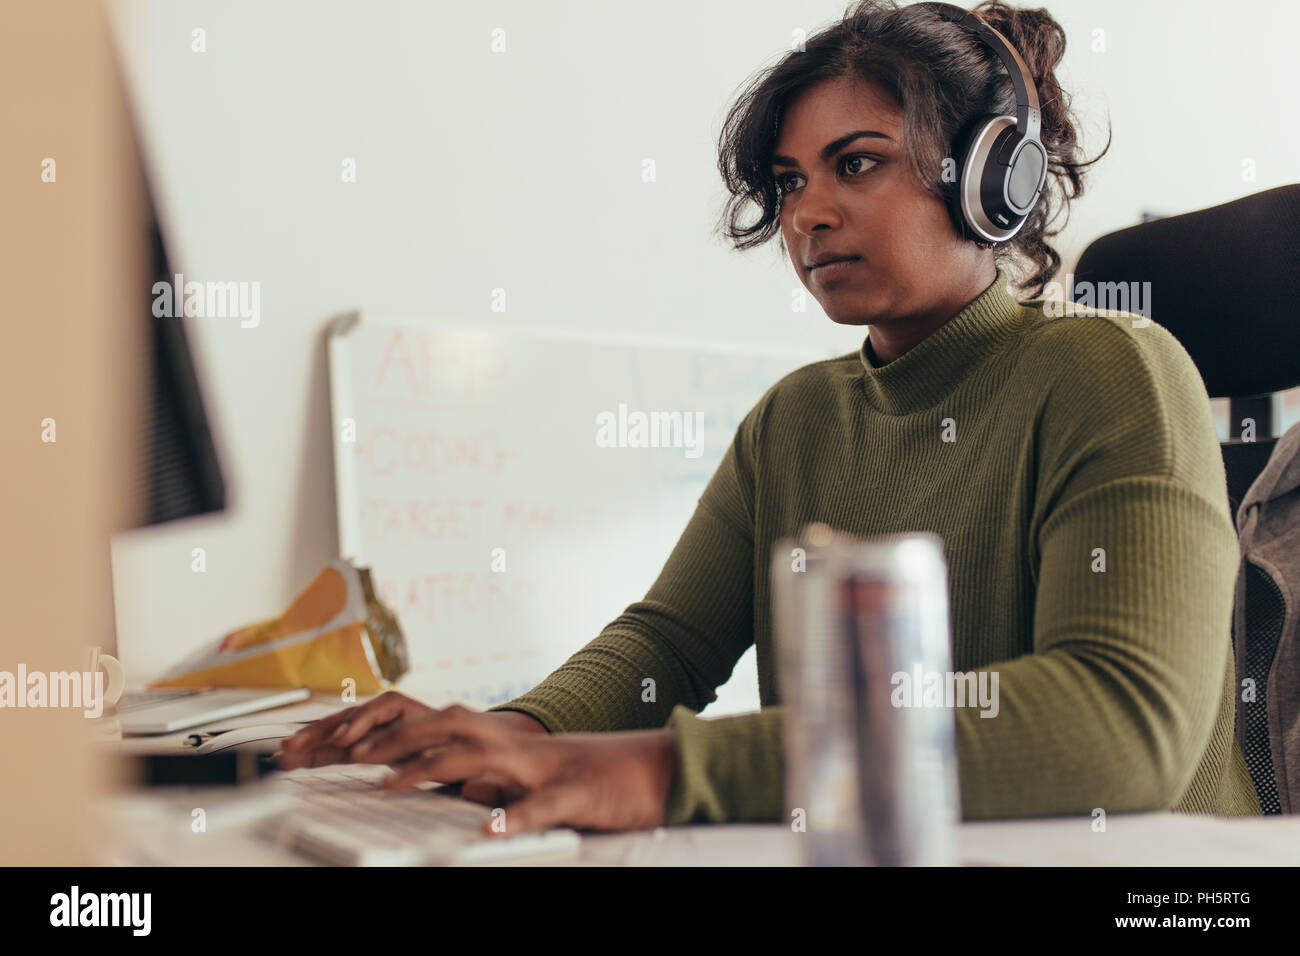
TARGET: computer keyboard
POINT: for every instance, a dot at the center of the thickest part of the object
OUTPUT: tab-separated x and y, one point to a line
342	816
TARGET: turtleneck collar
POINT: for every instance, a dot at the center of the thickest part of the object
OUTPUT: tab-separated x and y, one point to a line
933	367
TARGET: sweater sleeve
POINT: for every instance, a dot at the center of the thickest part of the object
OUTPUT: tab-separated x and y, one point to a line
1116	705
1113	709
679	643
1136	559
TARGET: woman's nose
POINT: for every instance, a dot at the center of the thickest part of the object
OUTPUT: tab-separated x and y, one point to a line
816	206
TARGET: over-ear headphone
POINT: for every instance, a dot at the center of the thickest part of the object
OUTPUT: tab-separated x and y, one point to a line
1002	160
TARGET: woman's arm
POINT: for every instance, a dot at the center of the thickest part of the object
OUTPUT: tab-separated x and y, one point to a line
1115	707
1112	710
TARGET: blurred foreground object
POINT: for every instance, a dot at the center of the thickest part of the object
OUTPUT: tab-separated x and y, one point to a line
72	393
870	739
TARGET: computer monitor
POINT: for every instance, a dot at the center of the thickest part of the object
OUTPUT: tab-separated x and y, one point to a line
178	475
182	475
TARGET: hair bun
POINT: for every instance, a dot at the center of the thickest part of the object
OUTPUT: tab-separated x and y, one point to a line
1035	34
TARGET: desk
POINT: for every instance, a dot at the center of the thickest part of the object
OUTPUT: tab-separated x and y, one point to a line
152	827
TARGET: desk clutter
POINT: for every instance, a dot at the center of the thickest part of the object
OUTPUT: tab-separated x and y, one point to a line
336	636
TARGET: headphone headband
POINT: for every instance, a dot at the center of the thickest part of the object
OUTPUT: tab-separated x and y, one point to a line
1028	118
1002	162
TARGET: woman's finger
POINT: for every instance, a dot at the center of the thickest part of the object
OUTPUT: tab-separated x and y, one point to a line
492	790
312	757
382	710
463	759
317	730
559	804
402	739
399	742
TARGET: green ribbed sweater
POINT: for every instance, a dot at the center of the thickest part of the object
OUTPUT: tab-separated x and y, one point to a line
1072	433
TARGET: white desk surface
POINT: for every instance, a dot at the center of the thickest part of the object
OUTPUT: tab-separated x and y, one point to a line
153	827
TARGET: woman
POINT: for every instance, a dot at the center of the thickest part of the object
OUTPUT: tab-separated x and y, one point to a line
1069	464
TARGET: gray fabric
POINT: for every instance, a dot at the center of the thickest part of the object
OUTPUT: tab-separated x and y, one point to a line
1265	642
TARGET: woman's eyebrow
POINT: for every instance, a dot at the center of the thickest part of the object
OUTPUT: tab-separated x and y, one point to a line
833	147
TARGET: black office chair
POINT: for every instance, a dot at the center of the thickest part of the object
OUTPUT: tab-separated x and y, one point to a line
1225	281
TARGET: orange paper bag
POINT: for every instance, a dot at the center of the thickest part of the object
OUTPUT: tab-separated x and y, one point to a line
334	631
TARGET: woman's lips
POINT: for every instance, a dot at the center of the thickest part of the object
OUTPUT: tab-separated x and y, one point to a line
834	270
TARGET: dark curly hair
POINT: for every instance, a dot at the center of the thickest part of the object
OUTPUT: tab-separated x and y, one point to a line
943	79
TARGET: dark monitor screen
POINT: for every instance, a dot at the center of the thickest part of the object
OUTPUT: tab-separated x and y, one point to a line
182	474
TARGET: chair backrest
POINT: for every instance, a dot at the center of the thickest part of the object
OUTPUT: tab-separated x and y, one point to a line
1265	616
1225	281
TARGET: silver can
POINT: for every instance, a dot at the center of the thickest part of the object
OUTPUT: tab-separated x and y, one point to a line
862	632
822	788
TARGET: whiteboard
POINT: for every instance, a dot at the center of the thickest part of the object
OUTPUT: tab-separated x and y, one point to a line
502	533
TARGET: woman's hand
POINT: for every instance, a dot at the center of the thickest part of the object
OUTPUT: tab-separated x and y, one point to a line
610	781
328	740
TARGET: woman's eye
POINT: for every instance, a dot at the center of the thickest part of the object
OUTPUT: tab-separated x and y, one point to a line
783	181
860	158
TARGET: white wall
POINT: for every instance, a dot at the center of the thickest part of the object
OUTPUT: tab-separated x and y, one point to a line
522	171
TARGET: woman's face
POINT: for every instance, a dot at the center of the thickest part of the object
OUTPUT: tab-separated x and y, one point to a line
858	196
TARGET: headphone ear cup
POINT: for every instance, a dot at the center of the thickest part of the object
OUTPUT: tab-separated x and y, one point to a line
1026	176
960	157
1000	166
